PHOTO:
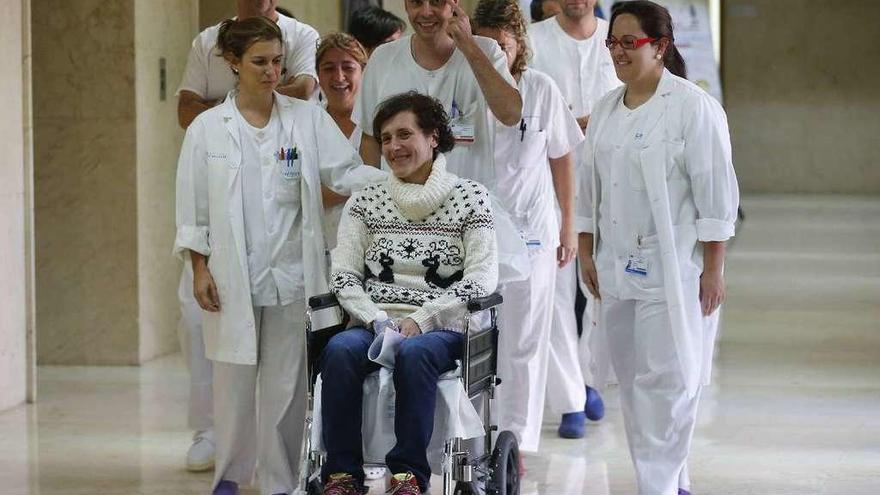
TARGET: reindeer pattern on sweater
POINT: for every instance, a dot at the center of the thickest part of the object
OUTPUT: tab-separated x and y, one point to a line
416	251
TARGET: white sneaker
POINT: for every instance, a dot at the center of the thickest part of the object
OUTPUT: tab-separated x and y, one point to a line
200	456
374	472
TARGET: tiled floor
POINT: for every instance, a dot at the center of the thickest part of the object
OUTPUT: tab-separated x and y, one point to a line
794	409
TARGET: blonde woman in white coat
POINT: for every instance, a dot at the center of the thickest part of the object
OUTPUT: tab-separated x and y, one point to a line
249	217
658	201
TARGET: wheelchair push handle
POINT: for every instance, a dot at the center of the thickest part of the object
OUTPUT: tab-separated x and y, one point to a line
473	305
484	303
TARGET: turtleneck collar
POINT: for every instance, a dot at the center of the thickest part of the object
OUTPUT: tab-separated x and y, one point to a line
417	201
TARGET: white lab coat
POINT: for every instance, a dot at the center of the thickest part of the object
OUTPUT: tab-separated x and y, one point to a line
210	218
688	135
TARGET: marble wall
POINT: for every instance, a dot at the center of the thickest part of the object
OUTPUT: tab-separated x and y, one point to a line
85	182
13	297
106	149
163	30
801	94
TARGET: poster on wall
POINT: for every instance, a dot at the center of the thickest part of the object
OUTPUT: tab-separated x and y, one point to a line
693	37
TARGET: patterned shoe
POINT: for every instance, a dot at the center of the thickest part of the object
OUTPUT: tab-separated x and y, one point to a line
404	484
343	484
594	408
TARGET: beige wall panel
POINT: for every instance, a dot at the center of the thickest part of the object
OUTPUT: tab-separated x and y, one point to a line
84	182
213	11
800	81
13	320
164	29
323	15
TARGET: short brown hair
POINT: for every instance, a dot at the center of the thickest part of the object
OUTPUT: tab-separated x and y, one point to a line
236	36
341	41
507	16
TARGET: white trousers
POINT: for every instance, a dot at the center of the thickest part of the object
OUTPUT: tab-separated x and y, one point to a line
192	347
264	426
658	415
565	380
523	347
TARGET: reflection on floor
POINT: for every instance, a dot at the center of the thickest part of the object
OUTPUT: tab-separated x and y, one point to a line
794	409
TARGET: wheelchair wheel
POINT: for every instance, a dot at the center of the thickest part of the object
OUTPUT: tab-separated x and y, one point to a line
315	487
504	466
466	488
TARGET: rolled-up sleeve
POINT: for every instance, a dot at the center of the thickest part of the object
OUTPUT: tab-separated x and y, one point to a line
709	165
193	231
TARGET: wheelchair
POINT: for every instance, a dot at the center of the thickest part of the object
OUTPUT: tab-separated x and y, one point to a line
495	470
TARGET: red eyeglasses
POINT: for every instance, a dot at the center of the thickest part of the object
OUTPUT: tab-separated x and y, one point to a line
628	42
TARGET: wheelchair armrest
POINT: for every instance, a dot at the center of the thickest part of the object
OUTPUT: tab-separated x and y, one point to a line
484	303
323	301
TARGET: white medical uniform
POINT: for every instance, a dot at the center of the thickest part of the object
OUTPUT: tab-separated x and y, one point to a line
525	188
208	75
258	218
333	214
659	180
393	70
584	72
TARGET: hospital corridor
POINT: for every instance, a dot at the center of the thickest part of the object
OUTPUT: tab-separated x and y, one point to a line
794	407
223	220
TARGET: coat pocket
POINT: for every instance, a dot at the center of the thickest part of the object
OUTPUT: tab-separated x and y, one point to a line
288	176
675	169
532	149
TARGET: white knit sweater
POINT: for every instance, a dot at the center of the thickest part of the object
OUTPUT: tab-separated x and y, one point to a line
418	251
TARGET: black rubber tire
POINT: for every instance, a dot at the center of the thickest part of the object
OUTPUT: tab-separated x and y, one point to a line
315	487
504	466
465	488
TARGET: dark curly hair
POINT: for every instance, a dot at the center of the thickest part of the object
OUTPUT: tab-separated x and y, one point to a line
430	117
506	16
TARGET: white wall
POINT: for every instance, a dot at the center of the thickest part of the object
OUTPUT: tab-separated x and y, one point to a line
13	301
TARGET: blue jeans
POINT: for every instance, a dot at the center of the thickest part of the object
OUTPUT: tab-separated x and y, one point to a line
419	363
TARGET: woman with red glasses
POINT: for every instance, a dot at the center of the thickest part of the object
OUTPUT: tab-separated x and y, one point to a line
658	201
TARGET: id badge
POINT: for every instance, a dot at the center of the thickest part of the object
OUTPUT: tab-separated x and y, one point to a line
637	265
463	133
528	239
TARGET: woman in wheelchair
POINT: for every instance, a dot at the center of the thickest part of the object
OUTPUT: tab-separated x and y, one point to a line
418	246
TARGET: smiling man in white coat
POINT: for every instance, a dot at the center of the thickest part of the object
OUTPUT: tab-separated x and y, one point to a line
443	59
